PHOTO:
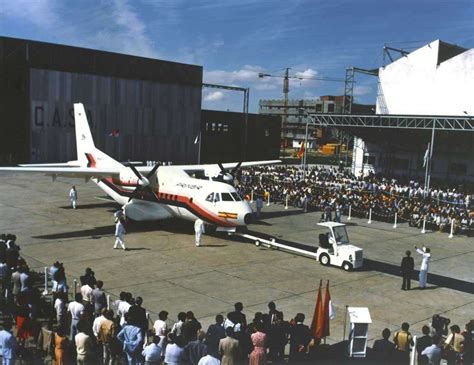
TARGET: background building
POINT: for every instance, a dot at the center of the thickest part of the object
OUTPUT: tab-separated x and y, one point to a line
223	137
138	108
298	111
435	80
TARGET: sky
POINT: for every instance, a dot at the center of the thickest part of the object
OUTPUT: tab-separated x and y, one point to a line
235	40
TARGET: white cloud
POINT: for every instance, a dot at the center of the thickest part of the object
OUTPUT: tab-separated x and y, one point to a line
39	12
266	86
362	90
309	73
131	34
246	74
113	25
305	78
214	96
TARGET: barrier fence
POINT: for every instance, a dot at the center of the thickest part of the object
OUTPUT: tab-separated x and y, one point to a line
349	211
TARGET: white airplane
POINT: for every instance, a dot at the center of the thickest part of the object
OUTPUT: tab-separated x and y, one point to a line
155	192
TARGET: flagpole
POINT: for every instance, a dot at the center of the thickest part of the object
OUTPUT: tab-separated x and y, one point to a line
430	156
305	146
425	161
199	149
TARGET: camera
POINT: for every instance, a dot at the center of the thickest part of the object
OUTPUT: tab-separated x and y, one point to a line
440	324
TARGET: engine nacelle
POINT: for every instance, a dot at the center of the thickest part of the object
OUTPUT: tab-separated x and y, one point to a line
140	210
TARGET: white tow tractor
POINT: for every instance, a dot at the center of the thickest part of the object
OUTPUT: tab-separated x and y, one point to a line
335	249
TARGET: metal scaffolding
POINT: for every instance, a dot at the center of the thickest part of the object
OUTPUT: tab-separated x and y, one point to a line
349	85
421	122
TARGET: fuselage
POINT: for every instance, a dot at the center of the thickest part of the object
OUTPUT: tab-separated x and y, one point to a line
173	193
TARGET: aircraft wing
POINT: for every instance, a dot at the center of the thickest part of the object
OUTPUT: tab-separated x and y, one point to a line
209	169
82	172
214	169
227	165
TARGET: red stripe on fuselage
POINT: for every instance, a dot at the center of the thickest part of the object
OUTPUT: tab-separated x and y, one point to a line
209	216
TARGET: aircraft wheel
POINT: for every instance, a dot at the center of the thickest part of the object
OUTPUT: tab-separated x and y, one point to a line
257	243
347	266
324	259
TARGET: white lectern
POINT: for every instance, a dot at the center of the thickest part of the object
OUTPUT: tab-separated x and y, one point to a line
359	319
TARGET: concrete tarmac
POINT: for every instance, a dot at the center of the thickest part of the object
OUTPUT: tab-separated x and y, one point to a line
170	273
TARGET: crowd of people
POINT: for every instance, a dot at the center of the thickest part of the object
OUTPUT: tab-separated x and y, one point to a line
334	190
436	342
89	329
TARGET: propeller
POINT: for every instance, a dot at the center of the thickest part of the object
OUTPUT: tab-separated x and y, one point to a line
228	176
143	181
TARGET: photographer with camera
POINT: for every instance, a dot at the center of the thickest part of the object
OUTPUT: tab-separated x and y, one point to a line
440	325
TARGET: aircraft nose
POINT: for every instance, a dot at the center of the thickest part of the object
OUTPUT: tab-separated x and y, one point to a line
248	218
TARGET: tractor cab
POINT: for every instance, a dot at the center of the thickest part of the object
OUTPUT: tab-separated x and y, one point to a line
335	248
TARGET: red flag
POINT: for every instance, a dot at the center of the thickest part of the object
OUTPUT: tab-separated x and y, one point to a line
326	315
317	323
301	151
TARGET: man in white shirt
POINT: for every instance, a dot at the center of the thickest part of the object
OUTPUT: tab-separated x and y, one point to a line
123	306
433	352
86	292
425	265
60	308
84	345
98	322
119	232
209	360
161	329
76	309
152	353
73	196
8	344
199	230
176	330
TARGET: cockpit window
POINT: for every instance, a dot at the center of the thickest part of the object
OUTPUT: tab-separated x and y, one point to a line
210	197
236	197
217	197
226	197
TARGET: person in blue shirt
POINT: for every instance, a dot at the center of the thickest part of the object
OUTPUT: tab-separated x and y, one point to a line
8	344
132	339
152	353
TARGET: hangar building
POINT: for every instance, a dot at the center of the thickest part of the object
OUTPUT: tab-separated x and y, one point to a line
223	137
138	108
435	80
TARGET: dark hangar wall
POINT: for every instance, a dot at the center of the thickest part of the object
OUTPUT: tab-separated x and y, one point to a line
154	105
223	137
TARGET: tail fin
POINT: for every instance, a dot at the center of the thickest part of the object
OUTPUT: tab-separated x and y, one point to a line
87	154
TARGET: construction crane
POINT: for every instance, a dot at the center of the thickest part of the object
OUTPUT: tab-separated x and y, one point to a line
286	89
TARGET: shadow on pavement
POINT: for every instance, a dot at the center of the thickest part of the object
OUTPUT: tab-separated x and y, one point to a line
94	206
170	225
435	279
374	265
